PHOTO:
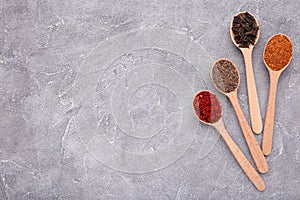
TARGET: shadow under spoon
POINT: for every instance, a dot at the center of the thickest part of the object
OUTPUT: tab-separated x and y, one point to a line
244	32
209	111
226	79
277	56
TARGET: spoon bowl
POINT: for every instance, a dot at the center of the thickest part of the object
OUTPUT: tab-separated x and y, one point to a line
276	61
198	101
255	114
232	33
289	59
226	78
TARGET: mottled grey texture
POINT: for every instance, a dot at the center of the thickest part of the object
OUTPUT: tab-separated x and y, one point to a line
46	44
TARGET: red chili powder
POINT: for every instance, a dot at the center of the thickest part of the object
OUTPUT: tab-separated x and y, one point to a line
207	107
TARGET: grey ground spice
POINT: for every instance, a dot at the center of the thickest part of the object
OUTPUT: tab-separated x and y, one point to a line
225	76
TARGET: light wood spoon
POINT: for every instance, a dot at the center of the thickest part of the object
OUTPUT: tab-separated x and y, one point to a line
274	76
252	174
226	78
255	114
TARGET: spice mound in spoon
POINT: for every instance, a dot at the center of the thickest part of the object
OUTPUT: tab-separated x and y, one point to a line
245	29
207	107
225	76
278	52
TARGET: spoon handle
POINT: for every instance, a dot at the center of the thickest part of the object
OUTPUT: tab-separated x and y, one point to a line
256	153
255	115
269	121
252	174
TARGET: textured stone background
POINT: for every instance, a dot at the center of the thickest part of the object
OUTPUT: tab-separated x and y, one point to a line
43	45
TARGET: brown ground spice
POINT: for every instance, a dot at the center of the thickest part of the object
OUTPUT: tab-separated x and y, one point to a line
225	76
278	52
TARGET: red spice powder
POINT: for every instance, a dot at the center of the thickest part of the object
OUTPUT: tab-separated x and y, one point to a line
207	107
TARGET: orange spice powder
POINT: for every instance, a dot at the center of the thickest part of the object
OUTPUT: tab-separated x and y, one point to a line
278	52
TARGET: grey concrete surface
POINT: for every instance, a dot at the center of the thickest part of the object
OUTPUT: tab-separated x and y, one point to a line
95	100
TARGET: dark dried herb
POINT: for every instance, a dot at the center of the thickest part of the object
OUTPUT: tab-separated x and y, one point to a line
207	107
244	28
225	76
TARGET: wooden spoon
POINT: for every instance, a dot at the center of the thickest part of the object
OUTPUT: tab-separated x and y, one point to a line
255	115
274	76
226	78
252	174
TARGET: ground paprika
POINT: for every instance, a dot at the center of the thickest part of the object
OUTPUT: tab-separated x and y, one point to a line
278	52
